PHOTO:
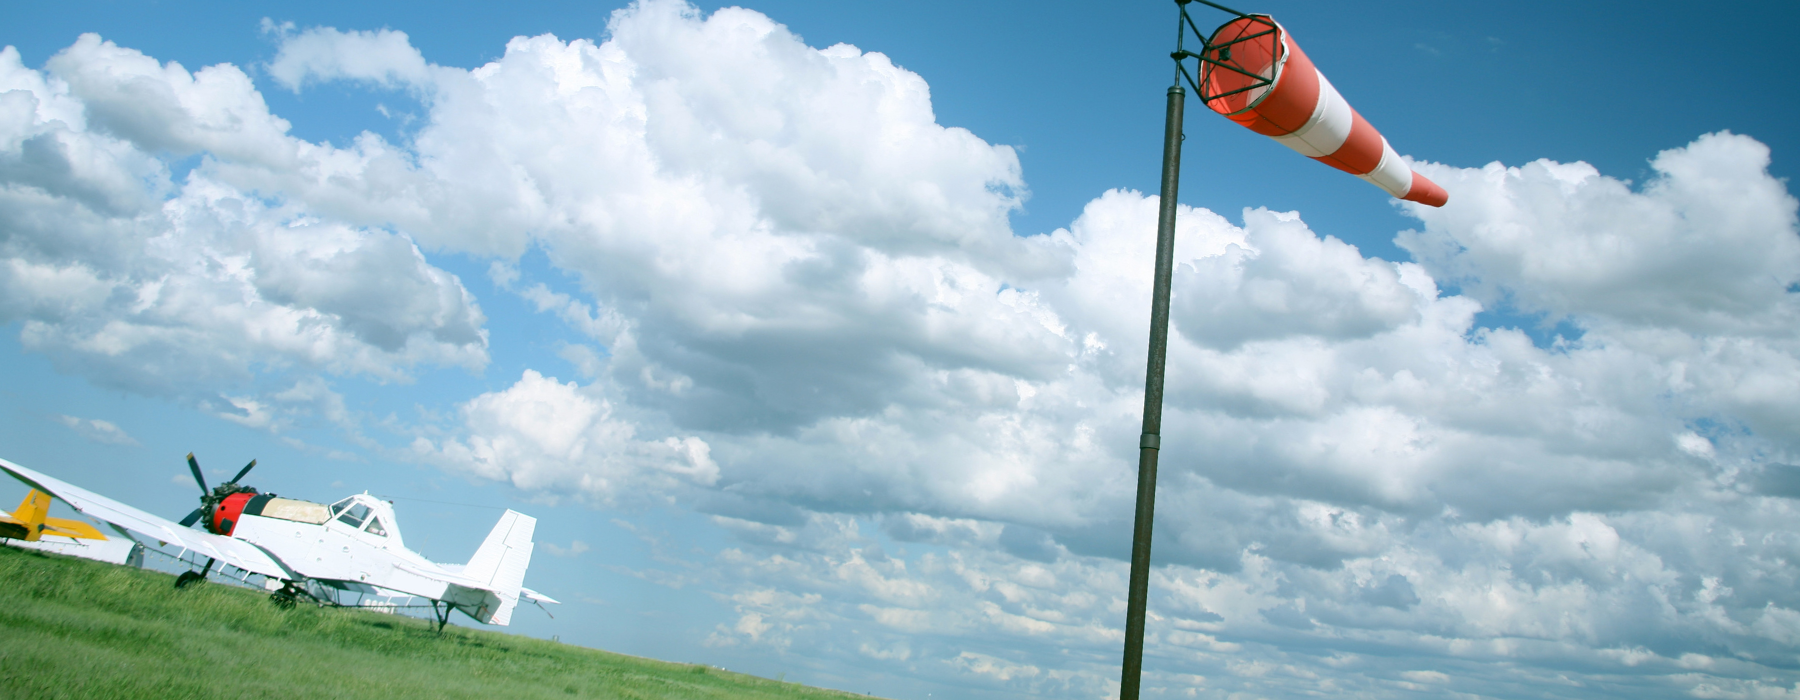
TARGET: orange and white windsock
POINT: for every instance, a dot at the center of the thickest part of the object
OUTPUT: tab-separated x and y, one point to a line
1275	91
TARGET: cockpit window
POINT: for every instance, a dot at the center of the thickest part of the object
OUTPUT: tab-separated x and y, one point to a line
355	516
339	506
375	527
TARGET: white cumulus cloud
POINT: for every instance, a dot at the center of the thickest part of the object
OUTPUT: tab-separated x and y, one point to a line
104	432
541	434
120	274
323	54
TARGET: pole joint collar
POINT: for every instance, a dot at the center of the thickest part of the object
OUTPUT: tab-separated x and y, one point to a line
1150	441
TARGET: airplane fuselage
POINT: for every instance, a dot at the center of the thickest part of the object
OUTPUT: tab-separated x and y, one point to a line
353	544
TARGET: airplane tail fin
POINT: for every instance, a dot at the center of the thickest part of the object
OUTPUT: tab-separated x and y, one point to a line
34	508
500	563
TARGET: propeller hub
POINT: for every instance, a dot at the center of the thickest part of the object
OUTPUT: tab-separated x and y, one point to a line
210	498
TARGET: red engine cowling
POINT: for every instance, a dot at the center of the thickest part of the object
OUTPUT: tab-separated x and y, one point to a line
225	517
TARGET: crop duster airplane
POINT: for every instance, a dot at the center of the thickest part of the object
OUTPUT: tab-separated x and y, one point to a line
354	545
31	521
30	527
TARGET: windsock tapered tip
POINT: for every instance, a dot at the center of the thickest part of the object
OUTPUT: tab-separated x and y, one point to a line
1426	192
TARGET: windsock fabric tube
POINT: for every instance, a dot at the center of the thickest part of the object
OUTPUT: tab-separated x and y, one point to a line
1256	75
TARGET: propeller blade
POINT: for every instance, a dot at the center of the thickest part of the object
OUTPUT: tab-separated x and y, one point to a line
193	517
194	465
241	474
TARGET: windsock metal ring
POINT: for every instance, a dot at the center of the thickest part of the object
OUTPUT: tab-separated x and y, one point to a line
1254	74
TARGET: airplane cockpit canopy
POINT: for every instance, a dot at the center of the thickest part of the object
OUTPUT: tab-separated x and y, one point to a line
369	514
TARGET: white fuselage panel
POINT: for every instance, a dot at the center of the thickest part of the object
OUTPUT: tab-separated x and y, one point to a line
335	551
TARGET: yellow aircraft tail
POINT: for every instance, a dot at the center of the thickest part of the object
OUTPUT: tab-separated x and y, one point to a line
31	521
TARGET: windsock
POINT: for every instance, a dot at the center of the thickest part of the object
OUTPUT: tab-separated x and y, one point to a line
1268	84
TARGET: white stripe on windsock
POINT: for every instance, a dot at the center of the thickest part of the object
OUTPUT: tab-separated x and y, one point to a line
1325	132
1392	174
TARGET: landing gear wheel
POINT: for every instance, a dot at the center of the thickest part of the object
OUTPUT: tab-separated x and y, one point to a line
188	577
289	595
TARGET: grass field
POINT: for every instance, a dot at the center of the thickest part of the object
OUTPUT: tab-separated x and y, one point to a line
74	628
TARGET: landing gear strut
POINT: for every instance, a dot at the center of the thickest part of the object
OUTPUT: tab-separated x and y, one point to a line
441	613
291	593
189	577
286	596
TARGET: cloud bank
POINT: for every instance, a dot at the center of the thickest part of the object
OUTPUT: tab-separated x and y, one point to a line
123	275
807	319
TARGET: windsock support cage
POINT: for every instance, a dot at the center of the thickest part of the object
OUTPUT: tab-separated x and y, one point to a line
1216	56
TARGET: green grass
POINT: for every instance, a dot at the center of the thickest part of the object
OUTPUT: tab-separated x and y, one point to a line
74	628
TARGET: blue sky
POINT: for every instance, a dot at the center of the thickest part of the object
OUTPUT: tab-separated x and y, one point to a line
798	383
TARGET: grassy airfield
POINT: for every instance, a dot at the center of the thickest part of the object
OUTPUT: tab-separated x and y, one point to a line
74	628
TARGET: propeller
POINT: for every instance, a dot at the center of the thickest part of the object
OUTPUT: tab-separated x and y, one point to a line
211	497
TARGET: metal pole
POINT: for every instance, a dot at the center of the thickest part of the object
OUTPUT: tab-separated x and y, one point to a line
1150	443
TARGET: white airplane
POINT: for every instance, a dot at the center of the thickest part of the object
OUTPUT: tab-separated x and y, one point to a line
354	544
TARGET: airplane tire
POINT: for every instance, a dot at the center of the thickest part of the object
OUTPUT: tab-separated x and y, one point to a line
187	577
282	600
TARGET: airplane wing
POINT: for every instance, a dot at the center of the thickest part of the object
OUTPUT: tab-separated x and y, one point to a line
229	550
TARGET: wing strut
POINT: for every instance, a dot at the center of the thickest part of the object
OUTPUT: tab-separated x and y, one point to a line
540	605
